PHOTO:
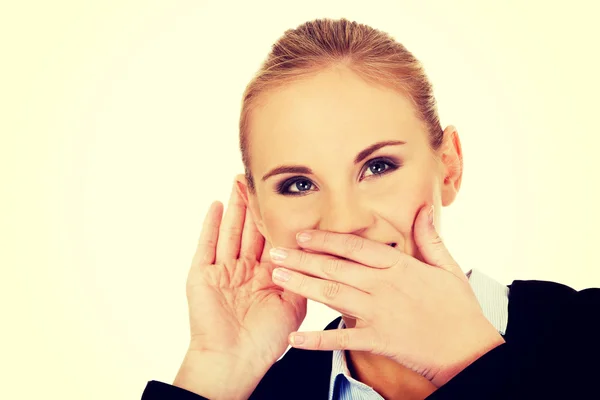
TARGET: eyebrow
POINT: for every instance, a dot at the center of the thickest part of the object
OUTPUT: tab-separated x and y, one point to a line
300	169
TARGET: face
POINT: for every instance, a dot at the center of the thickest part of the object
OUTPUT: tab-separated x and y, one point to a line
336	153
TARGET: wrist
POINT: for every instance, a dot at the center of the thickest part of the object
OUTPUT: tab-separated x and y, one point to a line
218	377
487	340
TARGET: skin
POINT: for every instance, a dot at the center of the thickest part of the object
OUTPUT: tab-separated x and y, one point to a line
322	123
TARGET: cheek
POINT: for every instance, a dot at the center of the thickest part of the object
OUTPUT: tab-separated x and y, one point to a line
401	201
399	204
402	211
282	225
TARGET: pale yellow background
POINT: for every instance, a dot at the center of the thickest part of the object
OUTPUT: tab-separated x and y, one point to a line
119	127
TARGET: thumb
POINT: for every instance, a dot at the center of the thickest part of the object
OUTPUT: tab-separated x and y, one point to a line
430	243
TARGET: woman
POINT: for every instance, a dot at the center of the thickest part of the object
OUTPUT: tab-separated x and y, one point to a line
341	140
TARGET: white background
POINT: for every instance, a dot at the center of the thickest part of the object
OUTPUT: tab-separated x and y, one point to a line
119	124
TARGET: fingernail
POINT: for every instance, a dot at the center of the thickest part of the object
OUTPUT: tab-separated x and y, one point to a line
303	237
297	339
431	216
278	254
281	274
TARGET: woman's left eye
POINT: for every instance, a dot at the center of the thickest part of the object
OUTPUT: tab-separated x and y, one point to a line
379	167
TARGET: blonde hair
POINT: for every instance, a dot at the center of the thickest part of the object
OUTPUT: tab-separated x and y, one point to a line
325	43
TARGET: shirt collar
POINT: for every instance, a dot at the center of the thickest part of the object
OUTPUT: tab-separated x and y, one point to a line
340	374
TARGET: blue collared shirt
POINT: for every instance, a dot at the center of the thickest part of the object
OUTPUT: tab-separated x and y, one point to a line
493	299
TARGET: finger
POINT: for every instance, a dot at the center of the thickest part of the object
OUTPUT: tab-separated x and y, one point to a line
430	243
340	297
353	247
359	339
207	243
252	240
326	267
230	233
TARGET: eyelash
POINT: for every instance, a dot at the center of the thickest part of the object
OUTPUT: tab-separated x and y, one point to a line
283	186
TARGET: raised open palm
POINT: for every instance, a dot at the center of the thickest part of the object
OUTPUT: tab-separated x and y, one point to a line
236	310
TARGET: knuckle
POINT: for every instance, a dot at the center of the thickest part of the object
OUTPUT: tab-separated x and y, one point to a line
342	339
437	240
331	290
302	257
353	244
401	261
205	258
212	243
303	283
449	266
327	239
231	234
231	230
397	260
319	340
375	345
332	266
378	344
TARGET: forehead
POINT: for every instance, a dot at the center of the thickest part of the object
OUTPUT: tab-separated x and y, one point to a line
331	112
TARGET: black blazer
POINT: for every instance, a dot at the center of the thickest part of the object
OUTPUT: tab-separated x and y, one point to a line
552	351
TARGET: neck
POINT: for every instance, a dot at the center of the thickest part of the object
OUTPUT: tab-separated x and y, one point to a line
389	378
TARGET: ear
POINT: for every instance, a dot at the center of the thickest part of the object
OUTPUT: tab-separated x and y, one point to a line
452	165
250	201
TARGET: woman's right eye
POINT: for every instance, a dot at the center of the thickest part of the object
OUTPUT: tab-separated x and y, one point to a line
294	187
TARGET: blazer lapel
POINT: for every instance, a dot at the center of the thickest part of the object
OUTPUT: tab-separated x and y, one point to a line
300	374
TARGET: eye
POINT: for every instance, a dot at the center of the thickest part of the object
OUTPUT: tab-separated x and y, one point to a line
300	186
295	186
379	166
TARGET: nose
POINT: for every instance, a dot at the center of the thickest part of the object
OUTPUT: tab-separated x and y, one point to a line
345	214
